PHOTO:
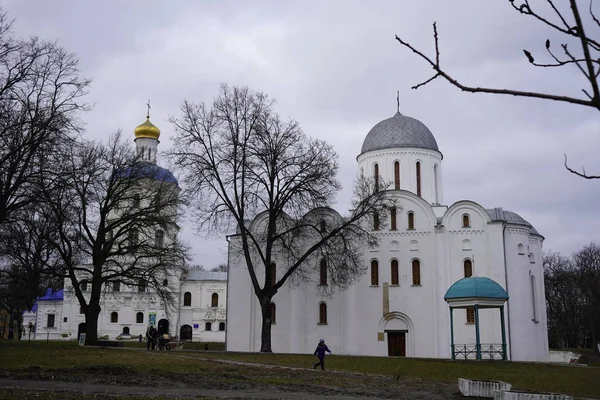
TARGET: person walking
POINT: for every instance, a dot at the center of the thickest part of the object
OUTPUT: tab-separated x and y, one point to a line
320	353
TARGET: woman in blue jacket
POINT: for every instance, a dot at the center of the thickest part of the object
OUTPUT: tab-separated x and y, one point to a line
320	352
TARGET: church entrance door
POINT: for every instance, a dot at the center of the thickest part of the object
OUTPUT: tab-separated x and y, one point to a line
185	333
396	343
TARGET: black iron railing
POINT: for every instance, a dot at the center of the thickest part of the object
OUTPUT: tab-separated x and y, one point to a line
487	351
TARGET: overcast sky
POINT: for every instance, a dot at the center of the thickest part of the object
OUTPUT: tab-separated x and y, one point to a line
335	67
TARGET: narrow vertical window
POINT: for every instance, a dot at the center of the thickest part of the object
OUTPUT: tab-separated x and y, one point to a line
273	312
187	299
214	300
533	298
416	272
208	326
322	313
376	176
139	318
436	183
50	321
468	268
322	226
394	272
397	175
116	286
374	273
272	274
114	317
134	239
375	222
141	285
323	272
419	178
411	220
470	315
159	238
221	326
466	221
83	286
393	218
136	200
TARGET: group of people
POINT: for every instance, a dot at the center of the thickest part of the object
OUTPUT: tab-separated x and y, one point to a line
151	336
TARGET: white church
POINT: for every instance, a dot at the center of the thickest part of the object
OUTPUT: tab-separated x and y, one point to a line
446	281
198	313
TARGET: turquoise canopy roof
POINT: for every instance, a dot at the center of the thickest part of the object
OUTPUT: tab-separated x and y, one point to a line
476	287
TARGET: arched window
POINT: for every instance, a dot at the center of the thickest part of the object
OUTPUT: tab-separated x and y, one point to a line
466	221
221	326
411	220
322	313
139	318
468	268
323	272
187	299
419	178
322	226
273	274
394	272
374	273
83	286
273	312
375	222
416	272
208	326
159	237
136	200
114	317
141	285
397	175
393	218
165	282
520	250
214	300
470	315
134	238
376	176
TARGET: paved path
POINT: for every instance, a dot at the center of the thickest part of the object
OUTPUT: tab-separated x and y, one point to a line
95	388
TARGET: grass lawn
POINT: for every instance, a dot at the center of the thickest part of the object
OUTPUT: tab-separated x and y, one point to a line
576	381
573	380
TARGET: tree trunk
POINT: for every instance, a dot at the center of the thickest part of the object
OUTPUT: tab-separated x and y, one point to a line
265	338
92	312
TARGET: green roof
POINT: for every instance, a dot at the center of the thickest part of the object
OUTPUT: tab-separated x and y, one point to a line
476	287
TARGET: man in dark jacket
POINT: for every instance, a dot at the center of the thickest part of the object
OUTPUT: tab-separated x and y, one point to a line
151	337
320	352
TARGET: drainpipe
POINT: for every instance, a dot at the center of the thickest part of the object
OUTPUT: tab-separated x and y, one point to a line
227	297
507	291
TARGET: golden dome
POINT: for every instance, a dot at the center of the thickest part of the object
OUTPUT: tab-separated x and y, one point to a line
147	130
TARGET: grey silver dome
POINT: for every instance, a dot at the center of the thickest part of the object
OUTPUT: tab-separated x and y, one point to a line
399	131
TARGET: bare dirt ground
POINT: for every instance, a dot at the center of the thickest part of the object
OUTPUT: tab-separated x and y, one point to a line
228	380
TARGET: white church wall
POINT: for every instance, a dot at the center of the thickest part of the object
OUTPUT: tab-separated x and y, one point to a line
528	330
431	187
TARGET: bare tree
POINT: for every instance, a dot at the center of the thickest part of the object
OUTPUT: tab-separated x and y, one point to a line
40	96
220	268
24	264
241	162
115	221
574	27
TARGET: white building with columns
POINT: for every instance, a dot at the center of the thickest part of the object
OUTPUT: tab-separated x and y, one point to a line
397	308
198	313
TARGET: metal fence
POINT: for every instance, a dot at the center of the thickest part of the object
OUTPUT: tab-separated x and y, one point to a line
488	351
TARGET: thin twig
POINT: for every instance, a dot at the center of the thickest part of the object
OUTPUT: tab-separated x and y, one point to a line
581	174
